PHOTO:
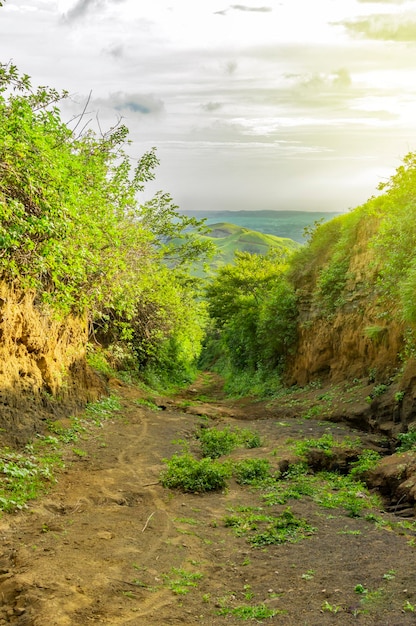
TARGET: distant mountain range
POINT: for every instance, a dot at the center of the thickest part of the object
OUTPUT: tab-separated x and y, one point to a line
286	224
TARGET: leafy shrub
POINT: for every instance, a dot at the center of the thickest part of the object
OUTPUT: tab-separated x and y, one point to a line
188	474
253	307
72	229
251	471
407	440
331	283
367	461
215	443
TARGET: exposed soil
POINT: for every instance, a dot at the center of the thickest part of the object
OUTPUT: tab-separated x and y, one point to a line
100	547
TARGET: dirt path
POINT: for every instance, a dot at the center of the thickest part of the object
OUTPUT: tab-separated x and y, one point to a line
110	545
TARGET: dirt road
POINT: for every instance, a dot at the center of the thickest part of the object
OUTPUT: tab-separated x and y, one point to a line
110	545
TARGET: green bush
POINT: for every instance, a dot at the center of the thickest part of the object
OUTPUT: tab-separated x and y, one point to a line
186	473
254	313
72	229
215	443
251	471
407	441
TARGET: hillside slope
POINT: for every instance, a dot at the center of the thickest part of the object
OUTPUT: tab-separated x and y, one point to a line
355	286
286	224
230	238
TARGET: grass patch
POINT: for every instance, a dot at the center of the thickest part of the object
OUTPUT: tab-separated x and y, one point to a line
326	443
285	528
26	475
328	489
104	409
148	403
367	461
248	612
180	581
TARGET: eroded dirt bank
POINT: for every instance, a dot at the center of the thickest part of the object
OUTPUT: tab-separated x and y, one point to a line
43	370
110	545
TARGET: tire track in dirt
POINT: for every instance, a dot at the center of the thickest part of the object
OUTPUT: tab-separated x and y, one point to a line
109	500
100	548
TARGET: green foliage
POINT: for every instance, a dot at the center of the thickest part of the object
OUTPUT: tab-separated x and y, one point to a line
375	333
367	461
215	443
326	443
72	229
253	307
251	471
24	476
188	474
180	581
331	282
103	409
328	489
284	528
407	441
395	242
248	612
148	403
330	608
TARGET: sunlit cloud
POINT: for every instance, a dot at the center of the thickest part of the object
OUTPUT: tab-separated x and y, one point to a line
400	28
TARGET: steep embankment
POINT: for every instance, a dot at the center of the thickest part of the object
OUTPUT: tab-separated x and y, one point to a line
351	323
43	371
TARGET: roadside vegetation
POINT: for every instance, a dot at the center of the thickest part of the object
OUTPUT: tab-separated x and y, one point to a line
73	230
32	471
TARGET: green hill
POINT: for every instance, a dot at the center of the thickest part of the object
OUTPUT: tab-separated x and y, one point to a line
229	239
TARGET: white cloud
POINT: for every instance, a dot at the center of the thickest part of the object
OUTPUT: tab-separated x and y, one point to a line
254	105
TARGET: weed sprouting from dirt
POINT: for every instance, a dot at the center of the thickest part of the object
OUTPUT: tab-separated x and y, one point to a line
327	443
247	612
283	528
180	581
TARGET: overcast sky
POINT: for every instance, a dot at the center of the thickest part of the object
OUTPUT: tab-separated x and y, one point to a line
270	104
